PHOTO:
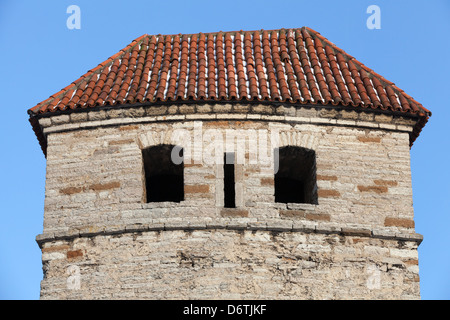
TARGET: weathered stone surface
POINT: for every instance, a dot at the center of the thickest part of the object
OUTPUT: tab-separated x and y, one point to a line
399	222
61	119
156	110
45	122
196	188
328	178
376	189
390	183
105	186
317	217
328	193
225	263
74	254
292	213
229	212
96	217
369	139
71	190
97	115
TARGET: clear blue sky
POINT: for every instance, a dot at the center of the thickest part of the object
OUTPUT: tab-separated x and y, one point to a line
40	55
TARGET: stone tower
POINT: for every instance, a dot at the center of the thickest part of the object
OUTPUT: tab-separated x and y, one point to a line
229	165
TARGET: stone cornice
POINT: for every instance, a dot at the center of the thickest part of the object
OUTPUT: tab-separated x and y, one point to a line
69	126
67	120
234	224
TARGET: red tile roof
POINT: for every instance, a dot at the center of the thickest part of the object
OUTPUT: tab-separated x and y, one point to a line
295	66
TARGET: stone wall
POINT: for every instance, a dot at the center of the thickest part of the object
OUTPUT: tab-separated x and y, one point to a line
230	264
96	217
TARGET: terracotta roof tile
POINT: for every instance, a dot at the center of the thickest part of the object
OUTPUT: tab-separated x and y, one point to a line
297	66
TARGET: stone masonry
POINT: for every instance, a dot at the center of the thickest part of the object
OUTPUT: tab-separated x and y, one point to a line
101	240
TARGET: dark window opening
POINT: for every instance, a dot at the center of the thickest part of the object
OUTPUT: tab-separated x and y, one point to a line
164	179
295	178
228	183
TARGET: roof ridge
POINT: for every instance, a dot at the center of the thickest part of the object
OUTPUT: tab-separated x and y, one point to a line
232	32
